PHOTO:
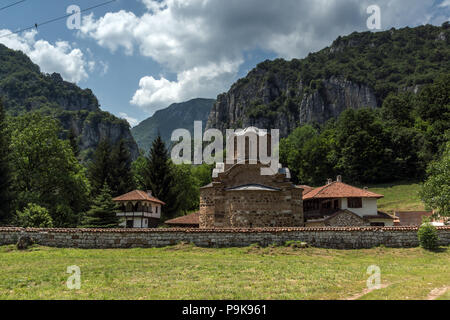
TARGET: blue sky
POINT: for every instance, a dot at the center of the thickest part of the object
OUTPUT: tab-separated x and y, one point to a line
139	56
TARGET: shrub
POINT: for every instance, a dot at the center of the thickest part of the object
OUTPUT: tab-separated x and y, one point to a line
428	235
34	216
296	244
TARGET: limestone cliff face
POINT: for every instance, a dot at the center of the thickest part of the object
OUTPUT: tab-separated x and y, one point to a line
357	70
24	88
92	127
272	102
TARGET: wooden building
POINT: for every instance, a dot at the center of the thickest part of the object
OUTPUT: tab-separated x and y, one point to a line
139	209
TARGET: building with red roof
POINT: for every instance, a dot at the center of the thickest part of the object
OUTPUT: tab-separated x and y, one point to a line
189	221
339	204
139	209
412	218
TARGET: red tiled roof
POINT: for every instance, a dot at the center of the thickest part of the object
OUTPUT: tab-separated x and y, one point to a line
306	189
192	219
340	190
413	218
137	195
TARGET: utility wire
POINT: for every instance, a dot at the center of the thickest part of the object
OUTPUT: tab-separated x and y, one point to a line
11	5
36	25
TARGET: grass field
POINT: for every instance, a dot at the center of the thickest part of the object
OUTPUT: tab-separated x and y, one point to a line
400	196
187	272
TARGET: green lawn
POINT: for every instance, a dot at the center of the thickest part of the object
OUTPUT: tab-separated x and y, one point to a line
400	196
187	272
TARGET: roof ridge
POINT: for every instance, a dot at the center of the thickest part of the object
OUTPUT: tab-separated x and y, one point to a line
323	188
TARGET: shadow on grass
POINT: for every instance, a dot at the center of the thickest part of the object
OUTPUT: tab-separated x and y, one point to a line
437	250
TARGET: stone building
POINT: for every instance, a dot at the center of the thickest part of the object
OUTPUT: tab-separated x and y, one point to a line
241	197
139	209
338	204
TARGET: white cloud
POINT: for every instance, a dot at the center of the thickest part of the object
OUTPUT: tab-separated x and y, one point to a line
444	4
193	38
59	57
154	94
132	121
112	30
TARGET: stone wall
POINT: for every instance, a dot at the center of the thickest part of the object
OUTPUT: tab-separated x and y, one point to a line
340	238
224	206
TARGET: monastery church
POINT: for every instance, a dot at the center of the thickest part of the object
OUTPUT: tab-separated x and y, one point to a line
241	197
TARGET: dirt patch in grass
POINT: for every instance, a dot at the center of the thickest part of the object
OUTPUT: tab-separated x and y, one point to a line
438	292
367	291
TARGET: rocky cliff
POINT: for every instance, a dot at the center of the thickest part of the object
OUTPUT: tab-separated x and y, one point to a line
23	88
239	108
176	116
356	71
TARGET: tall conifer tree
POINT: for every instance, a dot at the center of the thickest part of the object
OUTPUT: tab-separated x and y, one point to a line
74	143
5	172
100	167
159	178
103	212
121	174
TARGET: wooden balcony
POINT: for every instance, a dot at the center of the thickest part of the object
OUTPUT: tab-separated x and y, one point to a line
139	215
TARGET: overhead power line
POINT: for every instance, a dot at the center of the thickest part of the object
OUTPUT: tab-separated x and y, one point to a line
36	25
11	5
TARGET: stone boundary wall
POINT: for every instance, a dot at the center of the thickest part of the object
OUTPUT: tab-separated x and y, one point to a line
335	238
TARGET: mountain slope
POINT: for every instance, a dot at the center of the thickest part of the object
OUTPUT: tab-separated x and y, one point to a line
358	70
24	88
176	116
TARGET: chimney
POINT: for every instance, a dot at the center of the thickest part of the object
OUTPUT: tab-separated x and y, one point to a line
329	181
149	193
339	179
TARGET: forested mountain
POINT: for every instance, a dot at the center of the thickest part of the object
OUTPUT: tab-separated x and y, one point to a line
359	70
24	88
176	116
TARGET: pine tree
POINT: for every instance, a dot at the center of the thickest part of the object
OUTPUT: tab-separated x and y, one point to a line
5	171
74	143
103	212
159	178
100	167
121	175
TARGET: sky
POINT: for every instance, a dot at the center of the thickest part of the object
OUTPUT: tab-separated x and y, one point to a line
140	56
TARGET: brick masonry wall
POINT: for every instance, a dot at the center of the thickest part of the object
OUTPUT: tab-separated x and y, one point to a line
339	238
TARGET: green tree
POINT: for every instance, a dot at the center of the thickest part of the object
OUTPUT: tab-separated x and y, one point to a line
361	147
45	170
73	139
121	174
138	169
203	174
99	171
159	178
433	109
103	212
428	235
187	188
5	170
292	151
435	191
34	216
398	109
